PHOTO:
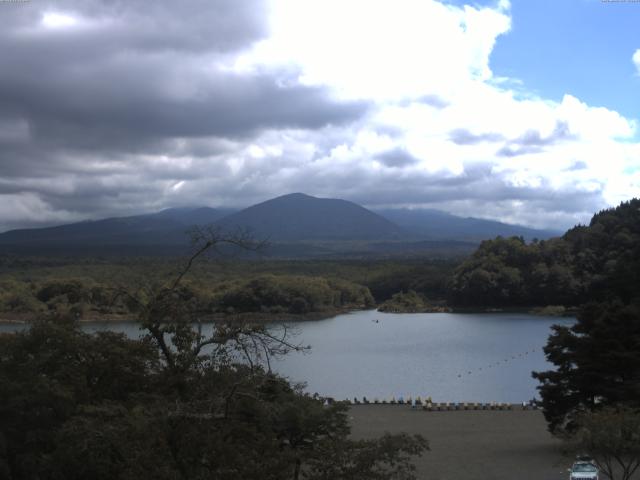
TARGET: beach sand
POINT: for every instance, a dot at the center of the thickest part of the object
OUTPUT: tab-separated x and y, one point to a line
471	444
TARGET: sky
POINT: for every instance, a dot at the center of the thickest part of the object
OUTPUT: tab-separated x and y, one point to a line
525	111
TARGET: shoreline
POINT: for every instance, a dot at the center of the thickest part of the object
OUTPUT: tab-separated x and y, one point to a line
262	317
257	317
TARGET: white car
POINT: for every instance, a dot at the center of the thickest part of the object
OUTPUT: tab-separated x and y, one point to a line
583	470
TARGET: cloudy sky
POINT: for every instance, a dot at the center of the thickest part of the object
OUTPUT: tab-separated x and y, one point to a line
523	111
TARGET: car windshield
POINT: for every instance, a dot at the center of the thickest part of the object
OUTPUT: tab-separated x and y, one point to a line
583	467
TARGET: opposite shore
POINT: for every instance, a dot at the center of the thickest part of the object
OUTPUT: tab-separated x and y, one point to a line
260	317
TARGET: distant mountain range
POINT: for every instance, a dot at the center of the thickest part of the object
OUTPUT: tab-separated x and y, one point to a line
162	228
295	225
438	225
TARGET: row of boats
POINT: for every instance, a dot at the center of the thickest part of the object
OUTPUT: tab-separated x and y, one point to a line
427	404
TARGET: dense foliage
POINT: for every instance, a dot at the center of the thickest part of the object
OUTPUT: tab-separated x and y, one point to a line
592	262
78	406
292	294
429	278
410	302
509	272
264	293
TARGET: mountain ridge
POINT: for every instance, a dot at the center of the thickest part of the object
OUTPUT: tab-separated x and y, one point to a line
294	219
434	224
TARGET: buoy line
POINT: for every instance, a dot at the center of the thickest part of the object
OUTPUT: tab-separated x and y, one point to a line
498	363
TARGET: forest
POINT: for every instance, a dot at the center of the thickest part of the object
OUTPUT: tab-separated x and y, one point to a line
589	262
89	288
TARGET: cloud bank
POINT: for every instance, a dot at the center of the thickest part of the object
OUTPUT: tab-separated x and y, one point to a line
114	108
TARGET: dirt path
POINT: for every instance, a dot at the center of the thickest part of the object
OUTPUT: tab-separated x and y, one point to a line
470	445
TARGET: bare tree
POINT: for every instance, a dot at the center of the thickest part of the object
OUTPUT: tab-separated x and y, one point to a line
173	315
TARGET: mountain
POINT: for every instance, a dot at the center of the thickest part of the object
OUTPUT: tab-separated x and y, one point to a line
297	217
162	228
296	225
189	216
431	224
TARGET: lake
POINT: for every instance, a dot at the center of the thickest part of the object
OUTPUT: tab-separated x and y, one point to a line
450	357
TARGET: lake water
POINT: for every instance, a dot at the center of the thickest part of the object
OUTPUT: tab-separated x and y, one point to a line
450	357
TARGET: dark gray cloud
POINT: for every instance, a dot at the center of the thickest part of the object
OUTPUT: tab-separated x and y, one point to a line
145	76
84	109
122	108
106	26
398	157
149	68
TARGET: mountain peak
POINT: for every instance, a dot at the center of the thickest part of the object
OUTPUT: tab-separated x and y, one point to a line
295	195
298	216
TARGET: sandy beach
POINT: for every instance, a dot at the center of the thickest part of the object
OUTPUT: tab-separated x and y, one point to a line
472	444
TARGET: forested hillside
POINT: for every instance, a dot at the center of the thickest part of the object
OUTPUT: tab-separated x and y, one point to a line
591	262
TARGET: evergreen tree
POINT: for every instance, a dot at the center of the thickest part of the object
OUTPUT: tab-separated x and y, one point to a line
597	364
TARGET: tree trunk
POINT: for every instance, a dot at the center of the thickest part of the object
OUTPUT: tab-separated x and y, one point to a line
296	470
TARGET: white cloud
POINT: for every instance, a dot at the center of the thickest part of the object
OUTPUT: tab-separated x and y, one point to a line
58	20
391	50
636	60
26	208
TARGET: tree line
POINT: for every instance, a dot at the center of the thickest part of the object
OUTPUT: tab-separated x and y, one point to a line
86	289
271	294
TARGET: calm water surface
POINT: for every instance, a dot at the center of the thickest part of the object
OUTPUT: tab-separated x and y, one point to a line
450	357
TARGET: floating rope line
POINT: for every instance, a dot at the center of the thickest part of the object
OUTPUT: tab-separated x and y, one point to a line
500	362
